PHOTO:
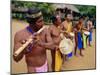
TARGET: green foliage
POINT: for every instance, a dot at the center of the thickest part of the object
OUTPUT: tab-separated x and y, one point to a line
85	9
46	9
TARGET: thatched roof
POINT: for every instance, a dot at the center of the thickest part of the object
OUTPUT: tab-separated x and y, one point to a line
68	6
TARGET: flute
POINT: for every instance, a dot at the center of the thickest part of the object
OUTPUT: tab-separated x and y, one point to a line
17	52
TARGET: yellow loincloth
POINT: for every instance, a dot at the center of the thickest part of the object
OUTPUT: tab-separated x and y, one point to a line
58	61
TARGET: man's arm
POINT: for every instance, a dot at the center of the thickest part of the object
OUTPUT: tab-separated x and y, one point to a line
49	44
64	26
17	44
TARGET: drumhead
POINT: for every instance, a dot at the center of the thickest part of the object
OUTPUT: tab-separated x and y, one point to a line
72	34
66	46
87	33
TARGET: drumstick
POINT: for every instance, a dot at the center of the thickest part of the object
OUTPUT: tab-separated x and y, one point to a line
63	31
17	52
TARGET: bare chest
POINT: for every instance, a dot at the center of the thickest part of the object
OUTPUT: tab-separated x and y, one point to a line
36	49
55	32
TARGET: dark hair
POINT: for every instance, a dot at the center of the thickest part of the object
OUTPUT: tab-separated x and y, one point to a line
54	18
81	17
32	20
31	11
67	14
90	19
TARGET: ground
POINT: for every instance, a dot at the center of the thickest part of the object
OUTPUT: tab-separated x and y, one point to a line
75	63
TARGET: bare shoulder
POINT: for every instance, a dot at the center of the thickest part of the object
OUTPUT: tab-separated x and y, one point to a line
63	22
46	30
20	33
51	27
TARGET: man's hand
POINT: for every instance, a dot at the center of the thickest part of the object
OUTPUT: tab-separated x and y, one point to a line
28	48
56	47
35	39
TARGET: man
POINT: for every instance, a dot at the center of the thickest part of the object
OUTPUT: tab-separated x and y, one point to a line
67	28
55	34
67	24
85	18
90	29
35	53
79	36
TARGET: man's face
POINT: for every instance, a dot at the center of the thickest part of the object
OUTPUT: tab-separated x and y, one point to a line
39	23
69	17
58	20
81	20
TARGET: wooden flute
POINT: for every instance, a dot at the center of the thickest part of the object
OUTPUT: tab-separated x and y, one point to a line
17	52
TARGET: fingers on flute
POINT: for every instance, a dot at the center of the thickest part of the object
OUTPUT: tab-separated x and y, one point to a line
23	41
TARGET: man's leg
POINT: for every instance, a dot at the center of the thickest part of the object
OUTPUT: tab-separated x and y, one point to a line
76	44
81	53
90	38
53	60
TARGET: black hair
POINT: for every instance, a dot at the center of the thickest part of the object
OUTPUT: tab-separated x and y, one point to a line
31	11
53	19
81	17
67	14
90	19
32	20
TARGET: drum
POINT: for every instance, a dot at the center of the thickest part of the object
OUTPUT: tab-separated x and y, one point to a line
72	34
66	46
86	33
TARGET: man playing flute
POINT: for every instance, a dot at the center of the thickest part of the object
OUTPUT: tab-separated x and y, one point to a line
35	52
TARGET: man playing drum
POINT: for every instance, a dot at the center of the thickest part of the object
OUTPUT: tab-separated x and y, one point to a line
78	35
67	28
